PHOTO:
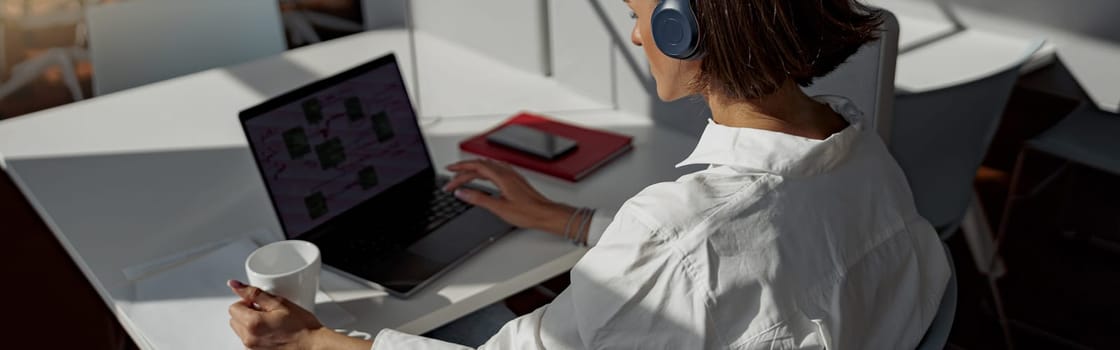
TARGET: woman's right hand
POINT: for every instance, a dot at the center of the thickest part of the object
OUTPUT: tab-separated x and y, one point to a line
268	322
518	203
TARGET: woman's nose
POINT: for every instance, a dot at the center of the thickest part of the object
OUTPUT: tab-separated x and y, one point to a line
636	36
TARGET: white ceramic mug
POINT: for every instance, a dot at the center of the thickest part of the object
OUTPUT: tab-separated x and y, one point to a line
287	268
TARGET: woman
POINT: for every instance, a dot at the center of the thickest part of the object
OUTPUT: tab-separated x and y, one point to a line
801	234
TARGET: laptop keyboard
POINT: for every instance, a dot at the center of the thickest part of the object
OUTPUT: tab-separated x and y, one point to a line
444	206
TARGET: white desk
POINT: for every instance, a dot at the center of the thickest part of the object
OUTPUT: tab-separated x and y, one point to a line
915	31
934	54
961	58
145	173
1092	61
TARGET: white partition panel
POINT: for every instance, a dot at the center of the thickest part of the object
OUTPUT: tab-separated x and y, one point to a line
581	48
512	31
141	42
583	31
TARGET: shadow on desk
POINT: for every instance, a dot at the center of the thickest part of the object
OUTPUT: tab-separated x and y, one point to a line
118	210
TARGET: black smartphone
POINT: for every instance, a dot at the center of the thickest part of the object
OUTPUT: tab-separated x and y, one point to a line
532	141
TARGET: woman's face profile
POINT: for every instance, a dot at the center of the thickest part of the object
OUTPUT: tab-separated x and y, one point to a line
672	75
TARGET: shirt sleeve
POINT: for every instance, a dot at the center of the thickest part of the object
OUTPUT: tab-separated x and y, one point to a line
598	225
632	290
628	291
391	339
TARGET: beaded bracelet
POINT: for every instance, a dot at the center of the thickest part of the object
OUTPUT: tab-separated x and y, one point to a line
584	227
590	219
567	226
574	236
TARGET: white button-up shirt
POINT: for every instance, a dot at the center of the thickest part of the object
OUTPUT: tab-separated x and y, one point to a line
784	242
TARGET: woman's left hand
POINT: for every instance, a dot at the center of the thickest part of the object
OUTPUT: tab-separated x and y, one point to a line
519	204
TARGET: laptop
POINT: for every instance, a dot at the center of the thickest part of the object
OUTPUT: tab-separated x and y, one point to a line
346	167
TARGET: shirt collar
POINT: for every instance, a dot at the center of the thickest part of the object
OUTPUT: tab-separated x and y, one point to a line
774	152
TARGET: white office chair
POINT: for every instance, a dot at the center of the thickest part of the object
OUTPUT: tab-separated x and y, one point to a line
867	78
937	335
939	139
139	42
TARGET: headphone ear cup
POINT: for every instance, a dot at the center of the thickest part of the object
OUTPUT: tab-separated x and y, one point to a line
675	30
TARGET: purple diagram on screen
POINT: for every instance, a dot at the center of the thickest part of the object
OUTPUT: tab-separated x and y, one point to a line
337	148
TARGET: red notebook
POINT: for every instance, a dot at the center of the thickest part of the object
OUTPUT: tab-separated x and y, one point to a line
595	149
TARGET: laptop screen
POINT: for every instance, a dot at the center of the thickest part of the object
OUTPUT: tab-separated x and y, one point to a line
333	145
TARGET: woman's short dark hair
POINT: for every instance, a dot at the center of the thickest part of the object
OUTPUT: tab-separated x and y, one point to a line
751	47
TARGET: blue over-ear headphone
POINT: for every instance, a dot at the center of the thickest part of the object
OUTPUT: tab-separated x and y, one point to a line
675	30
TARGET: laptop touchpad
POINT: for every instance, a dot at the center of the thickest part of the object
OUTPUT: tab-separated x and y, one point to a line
460	236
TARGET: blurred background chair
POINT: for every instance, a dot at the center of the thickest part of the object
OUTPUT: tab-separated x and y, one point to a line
36	15
139	42
939	139
301	21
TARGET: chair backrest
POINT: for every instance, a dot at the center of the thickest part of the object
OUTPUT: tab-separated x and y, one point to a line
867	78
937	335
139	42
940	137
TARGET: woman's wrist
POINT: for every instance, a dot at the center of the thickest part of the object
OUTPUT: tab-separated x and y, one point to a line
571	223
557	218
324	338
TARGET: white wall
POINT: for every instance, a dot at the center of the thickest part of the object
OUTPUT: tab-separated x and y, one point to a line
512	31
581	49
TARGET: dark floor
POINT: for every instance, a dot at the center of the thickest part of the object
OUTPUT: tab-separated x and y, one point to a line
1060	290
1061	246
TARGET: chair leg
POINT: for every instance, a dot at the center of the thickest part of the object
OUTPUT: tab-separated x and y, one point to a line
997	300
69	73
3	53
1064	211
300	28
1001	313
1013	197
978	235
27	71
24	73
